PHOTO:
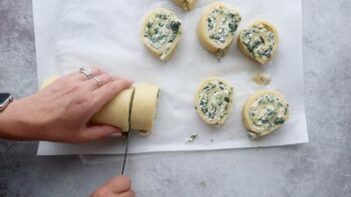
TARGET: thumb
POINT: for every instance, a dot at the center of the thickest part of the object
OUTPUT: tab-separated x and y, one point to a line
101	131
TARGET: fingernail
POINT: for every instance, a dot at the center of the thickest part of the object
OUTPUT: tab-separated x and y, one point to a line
116	134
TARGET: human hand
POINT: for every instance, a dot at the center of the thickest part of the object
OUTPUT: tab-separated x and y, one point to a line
61	111
119	186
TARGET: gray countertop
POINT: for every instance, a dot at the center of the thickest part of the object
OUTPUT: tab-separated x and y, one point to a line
319	168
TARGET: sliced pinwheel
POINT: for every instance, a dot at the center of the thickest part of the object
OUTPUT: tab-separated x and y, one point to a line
264	112
161	32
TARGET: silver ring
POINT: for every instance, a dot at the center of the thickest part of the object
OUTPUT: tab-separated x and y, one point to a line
86	71
98	82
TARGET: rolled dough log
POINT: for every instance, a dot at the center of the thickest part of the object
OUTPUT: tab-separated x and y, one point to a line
116	112
144	107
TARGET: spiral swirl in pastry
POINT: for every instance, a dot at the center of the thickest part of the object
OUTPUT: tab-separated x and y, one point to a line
260	41
264	112
161	32
213	101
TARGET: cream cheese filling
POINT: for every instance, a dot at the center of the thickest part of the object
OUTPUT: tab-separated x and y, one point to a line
162	30
222	23
259	41
215	98
268	111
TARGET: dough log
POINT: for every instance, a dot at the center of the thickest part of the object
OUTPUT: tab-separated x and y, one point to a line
144	107
116	112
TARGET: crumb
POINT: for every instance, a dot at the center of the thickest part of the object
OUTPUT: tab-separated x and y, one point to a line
262	78
212	140
203	184
192	138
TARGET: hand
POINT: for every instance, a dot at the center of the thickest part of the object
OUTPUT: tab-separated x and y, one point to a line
61	111
119	186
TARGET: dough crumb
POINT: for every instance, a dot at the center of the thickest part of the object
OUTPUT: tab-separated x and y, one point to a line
192	138
203	184
262	78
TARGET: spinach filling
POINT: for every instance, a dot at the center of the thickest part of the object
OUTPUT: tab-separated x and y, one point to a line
259	41
215	99
268	111
221	24
161	29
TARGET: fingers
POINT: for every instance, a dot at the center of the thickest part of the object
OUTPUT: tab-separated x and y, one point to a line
102	192
99	132
81	77
129	193
119	184
105	93
99	81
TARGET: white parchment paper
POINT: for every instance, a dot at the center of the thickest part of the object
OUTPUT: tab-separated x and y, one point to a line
70	34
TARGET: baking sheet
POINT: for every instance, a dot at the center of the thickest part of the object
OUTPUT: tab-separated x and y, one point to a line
70	34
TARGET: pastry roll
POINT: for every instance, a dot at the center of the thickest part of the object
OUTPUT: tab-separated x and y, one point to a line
161	32
186	4
213	101
217	27
116	112
264	112
144	108
260	41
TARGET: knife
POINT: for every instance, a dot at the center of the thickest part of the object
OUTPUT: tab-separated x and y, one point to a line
125	153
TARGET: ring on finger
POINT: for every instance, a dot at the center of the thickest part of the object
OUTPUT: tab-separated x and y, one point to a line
86	71
98	82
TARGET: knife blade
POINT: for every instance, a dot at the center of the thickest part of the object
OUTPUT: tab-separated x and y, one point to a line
125	153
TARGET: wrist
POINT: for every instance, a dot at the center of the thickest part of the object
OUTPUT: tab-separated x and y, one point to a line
13	125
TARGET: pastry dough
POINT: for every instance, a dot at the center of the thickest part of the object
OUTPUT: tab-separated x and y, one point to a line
262	79
144	107
186	4
48	81
260	41
217	27
116	112
161	32
264	112
213	101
